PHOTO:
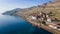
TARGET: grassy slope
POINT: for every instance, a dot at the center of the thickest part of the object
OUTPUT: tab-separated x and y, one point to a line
54	7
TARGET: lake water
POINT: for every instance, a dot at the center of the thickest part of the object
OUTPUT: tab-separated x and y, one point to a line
17	25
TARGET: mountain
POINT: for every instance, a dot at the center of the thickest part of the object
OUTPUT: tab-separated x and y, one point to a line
46	7
12	12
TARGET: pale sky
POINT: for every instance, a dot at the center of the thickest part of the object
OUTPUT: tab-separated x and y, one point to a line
6	5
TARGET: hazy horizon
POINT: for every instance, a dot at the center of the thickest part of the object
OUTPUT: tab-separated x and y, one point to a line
6	5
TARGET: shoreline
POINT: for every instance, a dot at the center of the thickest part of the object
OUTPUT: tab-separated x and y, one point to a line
39	25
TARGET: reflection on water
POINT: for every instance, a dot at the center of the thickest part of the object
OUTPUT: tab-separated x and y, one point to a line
17	25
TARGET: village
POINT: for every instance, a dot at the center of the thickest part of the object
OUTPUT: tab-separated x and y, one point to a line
46	19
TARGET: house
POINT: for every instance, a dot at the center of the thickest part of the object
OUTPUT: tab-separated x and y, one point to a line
58	27
54	26
33	17
48	19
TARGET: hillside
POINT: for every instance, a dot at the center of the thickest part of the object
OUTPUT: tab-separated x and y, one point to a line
47	7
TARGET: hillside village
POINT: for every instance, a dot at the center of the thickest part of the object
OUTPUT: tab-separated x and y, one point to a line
47	14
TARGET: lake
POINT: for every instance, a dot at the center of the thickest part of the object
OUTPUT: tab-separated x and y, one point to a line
17	25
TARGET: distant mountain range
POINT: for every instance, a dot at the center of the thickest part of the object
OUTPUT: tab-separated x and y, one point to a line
12	12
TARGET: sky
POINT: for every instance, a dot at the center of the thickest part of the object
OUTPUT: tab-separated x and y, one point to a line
6	5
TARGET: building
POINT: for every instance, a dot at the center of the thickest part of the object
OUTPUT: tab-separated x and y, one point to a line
54	26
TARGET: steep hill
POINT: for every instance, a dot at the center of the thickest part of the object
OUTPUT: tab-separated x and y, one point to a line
46	7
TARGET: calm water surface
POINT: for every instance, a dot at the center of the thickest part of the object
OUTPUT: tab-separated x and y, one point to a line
17	25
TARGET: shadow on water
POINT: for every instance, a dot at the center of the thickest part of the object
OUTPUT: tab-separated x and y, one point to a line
17	25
